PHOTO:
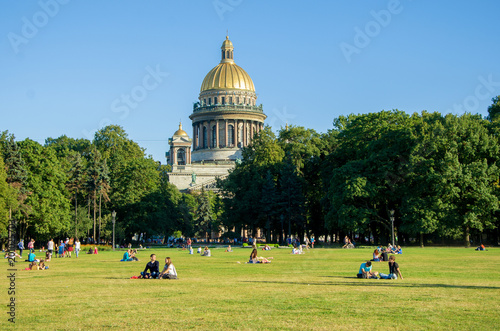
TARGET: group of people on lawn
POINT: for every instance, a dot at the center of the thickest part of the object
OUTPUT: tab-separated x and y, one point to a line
152	270
366	272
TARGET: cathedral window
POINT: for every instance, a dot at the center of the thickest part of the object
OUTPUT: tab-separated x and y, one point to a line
231	100
181	157
215	100
223	100
209	101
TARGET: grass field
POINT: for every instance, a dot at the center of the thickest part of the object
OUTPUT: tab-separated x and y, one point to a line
443	288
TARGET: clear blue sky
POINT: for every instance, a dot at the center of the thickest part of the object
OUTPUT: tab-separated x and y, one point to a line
65	68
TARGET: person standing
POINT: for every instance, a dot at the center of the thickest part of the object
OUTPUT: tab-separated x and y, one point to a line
20	245
61	249
312	241
50	246
188	242
77	247
31	245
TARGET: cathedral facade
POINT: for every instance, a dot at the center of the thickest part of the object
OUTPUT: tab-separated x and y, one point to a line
224	120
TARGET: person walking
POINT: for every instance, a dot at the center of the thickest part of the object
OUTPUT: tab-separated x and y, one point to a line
20	245
77	247
50	246
31	245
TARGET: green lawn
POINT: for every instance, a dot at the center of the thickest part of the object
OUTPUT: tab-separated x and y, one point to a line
443	288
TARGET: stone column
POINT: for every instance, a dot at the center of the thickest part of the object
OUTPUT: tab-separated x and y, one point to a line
209	134
226	134
174	156
216	133
235	140
244	133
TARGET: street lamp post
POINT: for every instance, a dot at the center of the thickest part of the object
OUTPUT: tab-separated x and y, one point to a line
392	225
113	214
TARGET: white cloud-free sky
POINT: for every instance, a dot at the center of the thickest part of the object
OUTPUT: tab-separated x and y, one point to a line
71	67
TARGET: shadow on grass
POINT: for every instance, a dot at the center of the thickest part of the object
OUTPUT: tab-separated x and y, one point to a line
379	282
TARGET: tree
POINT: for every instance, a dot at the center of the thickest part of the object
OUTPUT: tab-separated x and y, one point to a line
8	201
494	109
48	198
76	181
17	177
204	215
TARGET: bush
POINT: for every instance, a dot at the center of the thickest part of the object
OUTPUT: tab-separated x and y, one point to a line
244	245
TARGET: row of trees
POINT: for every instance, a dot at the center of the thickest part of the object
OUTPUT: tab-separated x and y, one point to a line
438	175
68	187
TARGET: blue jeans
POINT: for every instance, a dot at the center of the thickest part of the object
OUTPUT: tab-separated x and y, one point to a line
388	276
150	275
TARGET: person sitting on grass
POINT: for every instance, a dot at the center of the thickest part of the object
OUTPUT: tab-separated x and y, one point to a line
229	249
266	248
41	265
48	256
126	256
394	271
376	256
481	248
31	257
11	255
365	271
168	271
199	250
296	250
258	259
154	268
90	251
206	252
399	250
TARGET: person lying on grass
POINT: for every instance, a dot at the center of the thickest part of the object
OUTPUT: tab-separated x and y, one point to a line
394	271
154	268
168	271
365	271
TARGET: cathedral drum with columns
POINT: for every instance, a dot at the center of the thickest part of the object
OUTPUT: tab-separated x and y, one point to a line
224	120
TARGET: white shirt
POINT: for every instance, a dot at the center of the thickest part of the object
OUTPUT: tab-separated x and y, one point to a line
77	245
50	245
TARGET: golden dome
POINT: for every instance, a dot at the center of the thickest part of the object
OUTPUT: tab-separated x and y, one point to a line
227	75
180	132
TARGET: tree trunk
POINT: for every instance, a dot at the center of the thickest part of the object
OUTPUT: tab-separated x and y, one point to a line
94	198
76	215
467	237
100	198
421	239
